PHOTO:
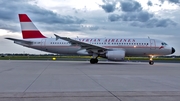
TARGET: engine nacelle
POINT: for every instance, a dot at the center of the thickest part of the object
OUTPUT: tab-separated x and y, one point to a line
83	52
115	55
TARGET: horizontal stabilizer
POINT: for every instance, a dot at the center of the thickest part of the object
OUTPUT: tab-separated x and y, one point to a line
18	40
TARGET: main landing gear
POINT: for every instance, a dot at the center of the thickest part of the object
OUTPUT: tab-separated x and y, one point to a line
151	62
94	61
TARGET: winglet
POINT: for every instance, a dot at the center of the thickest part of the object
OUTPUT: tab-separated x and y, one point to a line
57	37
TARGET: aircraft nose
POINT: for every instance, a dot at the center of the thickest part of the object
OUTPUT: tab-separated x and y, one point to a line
173	50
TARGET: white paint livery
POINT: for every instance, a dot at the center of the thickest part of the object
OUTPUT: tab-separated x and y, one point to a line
114	49
28	26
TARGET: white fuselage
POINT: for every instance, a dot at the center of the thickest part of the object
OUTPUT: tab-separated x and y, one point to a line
131	46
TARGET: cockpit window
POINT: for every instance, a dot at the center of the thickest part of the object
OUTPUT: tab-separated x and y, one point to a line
163	43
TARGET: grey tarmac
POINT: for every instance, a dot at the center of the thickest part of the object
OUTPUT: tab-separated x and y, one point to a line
81	81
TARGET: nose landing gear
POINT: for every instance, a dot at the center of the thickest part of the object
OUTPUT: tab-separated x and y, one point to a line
151	62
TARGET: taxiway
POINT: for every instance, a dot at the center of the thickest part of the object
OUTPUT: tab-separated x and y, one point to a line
82	81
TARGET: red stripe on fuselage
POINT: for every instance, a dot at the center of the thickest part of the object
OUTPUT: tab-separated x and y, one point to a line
32	34
102	46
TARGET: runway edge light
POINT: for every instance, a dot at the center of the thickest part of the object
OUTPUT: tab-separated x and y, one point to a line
54	58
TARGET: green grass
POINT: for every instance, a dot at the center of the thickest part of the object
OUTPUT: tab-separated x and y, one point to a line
146	58
77	58
43	57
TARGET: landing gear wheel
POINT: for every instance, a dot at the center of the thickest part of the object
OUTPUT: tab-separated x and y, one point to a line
151	62
93	61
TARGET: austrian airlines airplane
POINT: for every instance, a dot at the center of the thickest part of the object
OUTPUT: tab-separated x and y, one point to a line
114	49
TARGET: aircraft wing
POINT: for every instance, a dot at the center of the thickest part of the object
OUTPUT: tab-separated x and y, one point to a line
18	40
82	44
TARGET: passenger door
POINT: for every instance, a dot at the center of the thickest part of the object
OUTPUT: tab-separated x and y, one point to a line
43	44
152	44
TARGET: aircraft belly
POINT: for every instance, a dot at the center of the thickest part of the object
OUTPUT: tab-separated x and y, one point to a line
58	50
137	51
160	52
66	50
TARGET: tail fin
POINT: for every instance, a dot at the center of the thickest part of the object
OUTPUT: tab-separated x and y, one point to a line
29	30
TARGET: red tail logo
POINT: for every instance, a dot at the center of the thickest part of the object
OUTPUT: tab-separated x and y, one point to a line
29	30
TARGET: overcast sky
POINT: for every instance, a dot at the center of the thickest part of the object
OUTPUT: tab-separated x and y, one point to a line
159	19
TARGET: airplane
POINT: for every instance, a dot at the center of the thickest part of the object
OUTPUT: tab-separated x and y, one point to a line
113	49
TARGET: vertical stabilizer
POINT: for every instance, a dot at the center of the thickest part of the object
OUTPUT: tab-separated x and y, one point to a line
28	29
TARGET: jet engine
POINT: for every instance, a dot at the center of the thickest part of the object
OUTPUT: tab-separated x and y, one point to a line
115	55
